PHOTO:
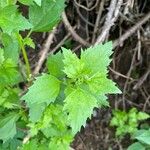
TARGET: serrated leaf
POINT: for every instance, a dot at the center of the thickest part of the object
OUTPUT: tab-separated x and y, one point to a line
46	16
96	58
55	65
44	89
8	73
38	2
60	143
29	42
36	111
11	20
9	98
102	101
79	104
8	127
142	116
136	146
26	2
100	84
73	66
11	47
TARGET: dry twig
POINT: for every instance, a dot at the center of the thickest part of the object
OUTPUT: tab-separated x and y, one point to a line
44	51
131	31
87	9
71	30
112	16
101	7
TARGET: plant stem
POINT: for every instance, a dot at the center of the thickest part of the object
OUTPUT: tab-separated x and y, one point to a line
26	61
29	34
24	56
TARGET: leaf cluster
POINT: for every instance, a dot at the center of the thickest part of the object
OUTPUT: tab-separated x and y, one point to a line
13	113
143	140
69	92
127	122
60	101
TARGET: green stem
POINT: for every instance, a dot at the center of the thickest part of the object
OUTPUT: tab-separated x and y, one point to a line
29	33
24	56
26	61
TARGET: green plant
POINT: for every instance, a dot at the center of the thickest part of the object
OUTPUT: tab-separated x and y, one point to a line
127	122
143	140
59	101
75	85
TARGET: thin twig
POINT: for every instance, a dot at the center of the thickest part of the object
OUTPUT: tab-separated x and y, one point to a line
126	83
141	80
26	139
44	51
60	44
71	30
101	7
112	16
119	74
87	9
131	31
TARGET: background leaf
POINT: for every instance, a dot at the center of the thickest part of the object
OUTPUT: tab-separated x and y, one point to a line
12	21
46	16
11	47
136	146
8	127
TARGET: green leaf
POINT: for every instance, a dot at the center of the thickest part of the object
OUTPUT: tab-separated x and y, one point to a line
143	116
26	2
29	42
8	73
99	84
102	101
8	127
11	20
9	98
38	2
46	16
1	56
11	47
79	104
143	136
32	144
53	122
55	65
4	3
136	146
44	89
36	111
73	67
14	143
96	58
60	143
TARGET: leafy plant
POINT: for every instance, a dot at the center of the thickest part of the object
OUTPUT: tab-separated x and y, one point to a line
74	87
58	102
127	122
13	113
143	138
